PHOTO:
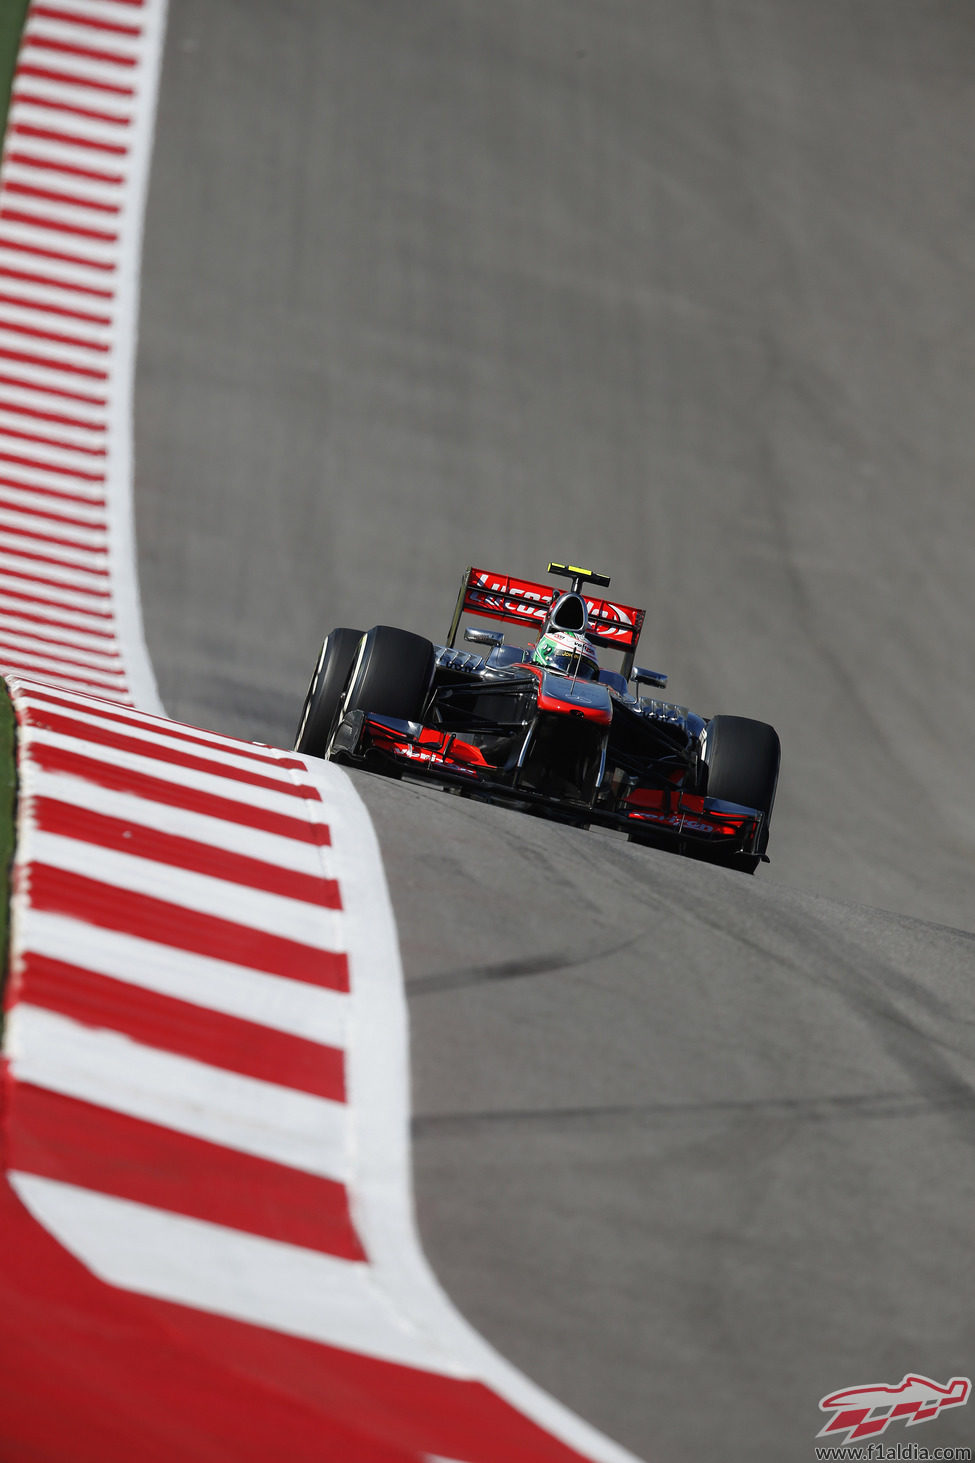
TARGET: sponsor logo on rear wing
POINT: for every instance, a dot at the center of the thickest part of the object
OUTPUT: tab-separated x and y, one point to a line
523	602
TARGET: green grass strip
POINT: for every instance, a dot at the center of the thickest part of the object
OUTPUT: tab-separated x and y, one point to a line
8	805
12	14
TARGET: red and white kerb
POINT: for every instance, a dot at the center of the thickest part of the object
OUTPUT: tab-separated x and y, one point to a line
72	189
208	1237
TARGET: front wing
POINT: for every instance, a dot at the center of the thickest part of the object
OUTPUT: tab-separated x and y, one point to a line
664	816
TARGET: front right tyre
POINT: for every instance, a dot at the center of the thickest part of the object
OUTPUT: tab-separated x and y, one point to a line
392	674
324	696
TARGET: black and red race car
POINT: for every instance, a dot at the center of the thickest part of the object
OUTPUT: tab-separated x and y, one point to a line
545	727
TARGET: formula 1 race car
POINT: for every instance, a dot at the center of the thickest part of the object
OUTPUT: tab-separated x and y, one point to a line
546	728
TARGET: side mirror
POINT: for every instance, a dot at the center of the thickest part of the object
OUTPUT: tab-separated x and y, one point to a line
485	637
641	677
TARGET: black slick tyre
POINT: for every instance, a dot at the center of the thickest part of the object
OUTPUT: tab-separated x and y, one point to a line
743	767
391	675
325	691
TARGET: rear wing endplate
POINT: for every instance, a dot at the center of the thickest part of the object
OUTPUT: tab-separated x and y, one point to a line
523	602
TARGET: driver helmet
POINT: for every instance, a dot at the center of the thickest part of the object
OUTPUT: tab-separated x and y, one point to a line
568	654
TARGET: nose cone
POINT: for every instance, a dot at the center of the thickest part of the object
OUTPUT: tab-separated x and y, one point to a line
566	696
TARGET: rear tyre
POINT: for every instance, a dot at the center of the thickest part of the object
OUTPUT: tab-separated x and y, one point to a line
325	692
391	675
743	767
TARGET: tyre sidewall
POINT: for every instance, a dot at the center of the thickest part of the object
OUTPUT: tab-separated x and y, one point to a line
743	765
324	697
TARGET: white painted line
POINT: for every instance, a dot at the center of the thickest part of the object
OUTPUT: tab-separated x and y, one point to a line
74	638
61	300
264	1282
88	96
17	309
55	595
76	628
68	489
253	909
113	111
68	217
293	1006
58	353
81	85
99	713
97	259
82	680
112	1071
40	428
53	388
113	13
85	535
47	27
271	848
90	512
63	576
78	137
30	644
108	680
245	794
220	751
77	554
77	282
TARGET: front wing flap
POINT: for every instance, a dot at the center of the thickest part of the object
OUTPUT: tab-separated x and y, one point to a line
660	815
693	817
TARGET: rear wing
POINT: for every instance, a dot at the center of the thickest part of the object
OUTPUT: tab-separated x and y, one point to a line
522	602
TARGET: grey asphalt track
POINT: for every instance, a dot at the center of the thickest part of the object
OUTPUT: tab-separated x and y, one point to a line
687	291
